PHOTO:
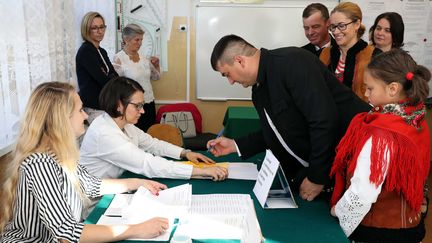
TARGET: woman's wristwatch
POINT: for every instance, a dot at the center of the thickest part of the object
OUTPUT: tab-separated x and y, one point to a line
184	152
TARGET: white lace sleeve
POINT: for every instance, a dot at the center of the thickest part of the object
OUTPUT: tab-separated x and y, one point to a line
118	65
154	73
358	198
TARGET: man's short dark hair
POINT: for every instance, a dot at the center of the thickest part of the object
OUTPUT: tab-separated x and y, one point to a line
316	7
118	89
227	42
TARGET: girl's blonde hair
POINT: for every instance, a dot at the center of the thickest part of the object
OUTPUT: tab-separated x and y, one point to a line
45	128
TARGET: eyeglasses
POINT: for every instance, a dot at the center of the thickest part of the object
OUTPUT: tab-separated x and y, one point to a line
97	28
340	26
138	106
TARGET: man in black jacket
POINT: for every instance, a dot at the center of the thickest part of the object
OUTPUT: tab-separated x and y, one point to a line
304	110
315	25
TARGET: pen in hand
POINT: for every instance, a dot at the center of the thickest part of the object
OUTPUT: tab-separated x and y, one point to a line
220	133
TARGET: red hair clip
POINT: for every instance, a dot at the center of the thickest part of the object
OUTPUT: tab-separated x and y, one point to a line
409	76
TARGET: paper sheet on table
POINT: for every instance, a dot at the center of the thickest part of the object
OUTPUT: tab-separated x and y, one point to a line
118	203
240	171
171	203
243	171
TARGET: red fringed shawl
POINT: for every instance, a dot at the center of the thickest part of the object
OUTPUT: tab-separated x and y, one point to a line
407	140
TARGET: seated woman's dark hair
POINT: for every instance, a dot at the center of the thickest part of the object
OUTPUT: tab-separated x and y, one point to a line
118	89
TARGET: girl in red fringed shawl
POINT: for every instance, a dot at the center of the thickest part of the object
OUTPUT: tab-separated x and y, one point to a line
382	162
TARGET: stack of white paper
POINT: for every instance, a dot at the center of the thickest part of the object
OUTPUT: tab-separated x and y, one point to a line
221	216
210	216
171	203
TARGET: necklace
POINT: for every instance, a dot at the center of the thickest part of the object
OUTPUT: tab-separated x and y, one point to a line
132	56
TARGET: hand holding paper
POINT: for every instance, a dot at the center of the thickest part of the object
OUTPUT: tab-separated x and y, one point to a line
211	216
151	228
153	186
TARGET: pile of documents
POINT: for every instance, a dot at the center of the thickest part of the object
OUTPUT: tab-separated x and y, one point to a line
208	216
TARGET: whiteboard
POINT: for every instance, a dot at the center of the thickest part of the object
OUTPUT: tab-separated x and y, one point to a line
271	25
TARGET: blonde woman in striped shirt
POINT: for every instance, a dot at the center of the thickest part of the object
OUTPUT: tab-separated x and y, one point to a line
46	189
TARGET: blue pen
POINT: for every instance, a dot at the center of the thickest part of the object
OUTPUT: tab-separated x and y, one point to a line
220	133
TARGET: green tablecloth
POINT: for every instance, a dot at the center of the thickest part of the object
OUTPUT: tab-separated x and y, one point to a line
311	222
240	121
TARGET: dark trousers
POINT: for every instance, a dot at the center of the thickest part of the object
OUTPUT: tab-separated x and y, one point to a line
148	118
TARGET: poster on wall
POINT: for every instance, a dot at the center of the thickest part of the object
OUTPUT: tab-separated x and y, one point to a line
151	15
417	18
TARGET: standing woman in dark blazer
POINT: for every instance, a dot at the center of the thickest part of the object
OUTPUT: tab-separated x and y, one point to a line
93	67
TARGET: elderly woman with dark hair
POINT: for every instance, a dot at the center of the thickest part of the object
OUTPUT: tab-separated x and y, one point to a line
387	31
113	144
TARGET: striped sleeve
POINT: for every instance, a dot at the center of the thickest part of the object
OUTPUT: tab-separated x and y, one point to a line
45	182
90	183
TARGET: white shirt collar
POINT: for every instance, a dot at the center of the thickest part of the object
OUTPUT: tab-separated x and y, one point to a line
324	46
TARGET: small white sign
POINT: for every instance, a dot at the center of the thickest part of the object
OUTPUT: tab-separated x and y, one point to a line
273	198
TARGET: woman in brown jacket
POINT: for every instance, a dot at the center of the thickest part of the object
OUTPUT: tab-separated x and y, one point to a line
348	57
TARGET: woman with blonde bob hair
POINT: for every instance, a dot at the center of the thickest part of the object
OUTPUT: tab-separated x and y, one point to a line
46	189
93	66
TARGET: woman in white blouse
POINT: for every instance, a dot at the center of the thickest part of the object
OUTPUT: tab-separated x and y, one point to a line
113	144
129	63
43	197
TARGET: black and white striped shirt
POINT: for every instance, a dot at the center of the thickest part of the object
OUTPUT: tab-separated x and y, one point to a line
47	206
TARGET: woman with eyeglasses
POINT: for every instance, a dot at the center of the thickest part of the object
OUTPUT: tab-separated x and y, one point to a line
348	57
113	144
130	63
93	67
46	190
387	32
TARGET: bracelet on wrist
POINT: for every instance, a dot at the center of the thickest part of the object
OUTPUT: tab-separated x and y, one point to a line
184	153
